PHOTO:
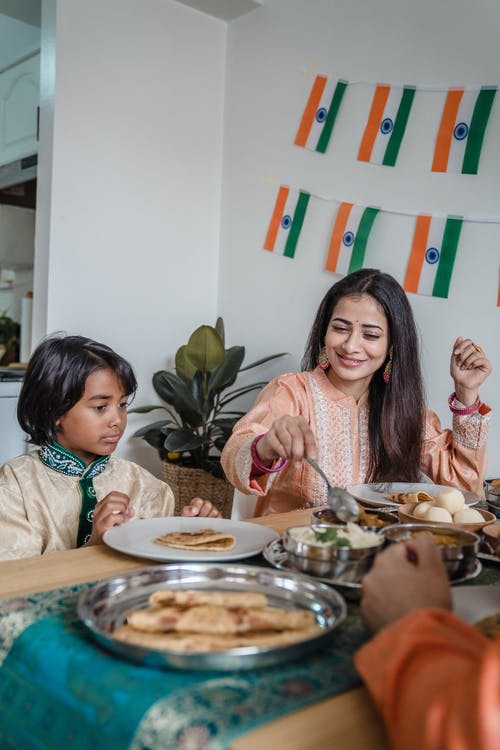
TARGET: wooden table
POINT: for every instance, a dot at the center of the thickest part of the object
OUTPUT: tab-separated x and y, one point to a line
348	721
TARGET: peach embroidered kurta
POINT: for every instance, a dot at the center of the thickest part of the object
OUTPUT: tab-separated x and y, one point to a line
340	425
436	681
40	507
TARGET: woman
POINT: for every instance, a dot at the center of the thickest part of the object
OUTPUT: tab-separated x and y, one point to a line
358	407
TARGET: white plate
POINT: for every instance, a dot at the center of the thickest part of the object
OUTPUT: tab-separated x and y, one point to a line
472	603
136	538
376	494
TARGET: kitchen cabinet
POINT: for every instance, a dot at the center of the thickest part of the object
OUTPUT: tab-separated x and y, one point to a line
19	101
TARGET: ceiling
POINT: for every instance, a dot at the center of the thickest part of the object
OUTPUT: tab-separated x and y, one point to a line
27	11
227	10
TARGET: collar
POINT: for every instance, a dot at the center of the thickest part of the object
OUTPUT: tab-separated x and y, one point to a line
65	462
335	393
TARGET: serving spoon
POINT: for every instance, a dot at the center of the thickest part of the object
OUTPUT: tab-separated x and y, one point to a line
340	501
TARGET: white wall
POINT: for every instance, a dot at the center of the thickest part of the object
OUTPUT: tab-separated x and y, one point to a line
130	254
269	301
17	40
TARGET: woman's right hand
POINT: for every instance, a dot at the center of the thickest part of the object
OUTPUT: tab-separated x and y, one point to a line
288	437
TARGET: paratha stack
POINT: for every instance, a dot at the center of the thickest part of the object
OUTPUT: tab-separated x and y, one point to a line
409	497
202	539
188	621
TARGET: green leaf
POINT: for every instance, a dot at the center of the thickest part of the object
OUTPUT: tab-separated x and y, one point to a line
331	537
184	368
226	373
205	349
142	431
174	391
219	327
241	392
153	437
182	440
145	409
264	360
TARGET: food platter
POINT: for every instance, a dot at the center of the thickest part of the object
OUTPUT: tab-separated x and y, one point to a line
136	538
104	606
472	603
376	494
277	556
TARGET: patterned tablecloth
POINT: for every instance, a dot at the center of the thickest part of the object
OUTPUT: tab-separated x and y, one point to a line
59	689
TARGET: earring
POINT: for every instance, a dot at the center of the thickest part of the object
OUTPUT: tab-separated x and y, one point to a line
388	368
323	360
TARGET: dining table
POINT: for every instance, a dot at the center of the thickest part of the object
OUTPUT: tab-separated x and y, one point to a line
50	665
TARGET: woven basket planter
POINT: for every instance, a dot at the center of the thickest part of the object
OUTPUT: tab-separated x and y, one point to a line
188	483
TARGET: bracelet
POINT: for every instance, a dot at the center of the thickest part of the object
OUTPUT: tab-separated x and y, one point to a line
466	410
257	462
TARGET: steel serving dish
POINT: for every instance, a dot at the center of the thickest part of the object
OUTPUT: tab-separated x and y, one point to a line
370	520
329	562
492	492
104	607
459	557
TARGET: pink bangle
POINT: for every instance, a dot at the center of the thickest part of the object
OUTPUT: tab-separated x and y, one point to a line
257	462
466	410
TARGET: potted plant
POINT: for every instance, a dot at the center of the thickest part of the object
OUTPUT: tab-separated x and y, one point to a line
198	400
9	338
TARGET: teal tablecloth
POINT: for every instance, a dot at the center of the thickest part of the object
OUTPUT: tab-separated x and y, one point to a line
59	689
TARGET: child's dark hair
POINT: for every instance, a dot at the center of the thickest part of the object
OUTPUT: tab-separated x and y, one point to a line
55	381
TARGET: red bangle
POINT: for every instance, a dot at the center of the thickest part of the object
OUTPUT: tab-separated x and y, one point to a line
257	462
466	410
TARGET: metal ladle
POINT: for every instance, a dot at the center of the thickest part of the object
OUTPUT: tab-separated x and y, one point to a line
340	501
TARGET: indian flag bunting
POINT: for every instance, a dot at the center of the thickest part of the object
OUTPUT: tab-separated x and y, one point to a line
286	222
319	116
461	133
349	237
385	128
432	255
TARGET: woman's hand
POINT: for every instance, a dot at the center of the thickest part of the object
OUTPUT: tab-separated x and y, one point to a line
469	368
202	508
288	437
405	577
112	510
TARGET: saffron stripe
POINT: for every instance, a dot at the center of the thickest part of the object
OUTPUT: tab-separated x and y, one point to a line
417	253
445	132
359	247
310	110
392	150
374	119
324	138
449	246
479	121
275	222
336	239
298	220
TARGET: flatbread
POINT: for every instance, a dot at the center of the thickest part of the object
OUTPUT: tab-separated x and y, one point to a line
189	598
409	497
489	626
203	539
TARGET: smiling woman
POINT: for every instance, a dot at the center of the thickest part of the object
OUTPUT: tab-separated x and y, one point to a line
358	406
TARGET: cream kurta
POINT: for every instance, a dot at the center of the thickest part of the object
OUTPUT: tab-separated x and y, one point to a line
40	507
340	425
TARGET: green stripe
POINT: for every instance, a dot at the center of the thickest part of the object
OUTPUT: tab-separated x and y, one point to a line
297	221
324	138
392	150
449	245
478	123
361	239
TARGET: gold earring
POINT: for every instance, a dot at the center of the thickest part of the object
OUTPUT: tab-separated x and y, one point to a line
323	360
388	368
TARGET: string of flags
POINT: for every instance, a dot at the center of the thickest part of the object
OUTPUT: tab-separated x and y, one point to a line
431	257
459	136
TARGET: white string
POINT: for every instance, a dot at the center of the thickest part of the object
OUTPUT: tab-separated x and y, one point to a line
416	86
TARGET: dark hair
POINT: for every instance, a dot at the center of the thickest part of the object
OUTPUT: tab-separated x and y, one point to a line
55	381
396	419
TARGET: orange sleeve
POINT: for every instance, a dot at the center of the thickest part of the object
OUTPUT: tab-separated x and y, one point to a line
436	681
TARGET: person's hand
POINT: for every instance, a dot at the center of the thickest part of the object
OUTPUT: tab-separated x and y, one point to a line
469	368
288	437
202	508
112	510
404	577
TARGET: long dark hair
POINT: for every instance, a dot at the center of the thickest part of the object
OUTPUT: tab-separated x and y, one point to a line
397	410
55	381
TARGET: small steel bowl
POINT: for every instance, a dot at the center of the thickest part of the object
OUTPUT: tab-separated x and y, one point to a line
458	547
370	520
492	492
343	563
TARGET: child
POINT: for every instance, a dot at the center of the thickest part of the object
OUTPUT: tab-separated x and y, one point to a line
73	404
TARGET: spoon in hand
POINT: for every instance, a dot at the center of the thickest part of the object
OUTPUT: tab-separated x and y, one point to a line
340	501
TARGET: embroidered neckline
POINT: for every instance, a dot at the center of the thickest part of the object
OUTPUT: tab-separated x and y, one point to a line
65	462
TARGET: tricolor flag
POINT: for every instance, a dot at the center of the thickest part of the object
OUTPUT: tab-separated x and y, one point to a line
432	256
319	115
286	222
461	132
386	124
349	238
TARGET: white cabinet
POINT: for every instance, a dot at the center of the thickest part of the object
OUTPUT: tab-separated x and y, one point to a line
19	101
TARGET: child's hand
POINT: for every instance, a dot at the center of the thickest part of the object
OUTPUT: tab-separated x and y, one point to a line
199	507
112	510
